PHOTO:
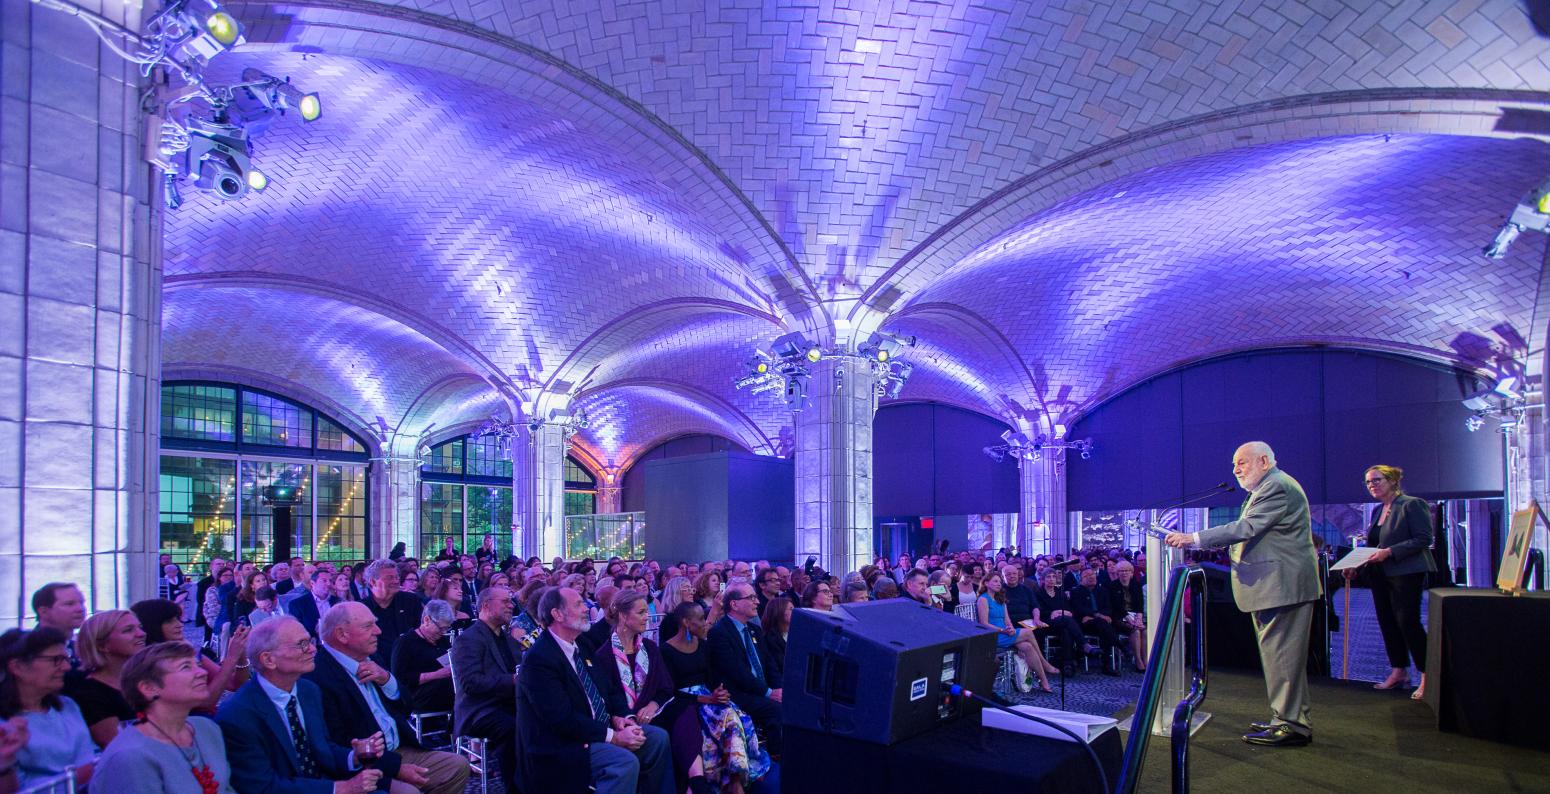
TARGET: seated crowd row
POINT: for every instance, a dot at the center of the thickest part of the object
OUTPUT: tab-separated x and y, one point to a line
317	678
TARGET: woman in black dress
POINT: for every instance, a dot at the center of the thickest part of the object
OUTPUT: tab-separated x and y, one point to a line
106	641
425	681
776	622
731	756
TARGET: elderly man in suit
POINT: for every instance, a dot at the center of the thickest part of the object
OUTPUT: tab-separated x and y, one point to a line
276	738
484	666
739	662
574	726
1275	579
361	701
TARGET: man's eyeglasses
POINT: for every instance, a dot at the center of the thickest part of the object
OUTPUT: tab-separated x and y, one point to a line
55	659
742	597
301	646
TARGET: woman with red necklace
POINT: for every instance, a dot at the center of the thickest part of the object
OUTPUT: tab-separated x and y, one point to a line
166	750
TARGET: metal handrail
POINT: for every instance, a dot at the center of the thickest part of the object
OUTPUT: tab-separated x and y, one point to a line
1151	685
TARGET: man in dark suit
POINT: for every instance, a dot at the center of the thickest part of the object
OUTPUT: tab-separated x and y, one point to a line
311	606
1275	579
567	726
276	738
739	662
767	580
1090	604
361	701
296	570
395	610
484	669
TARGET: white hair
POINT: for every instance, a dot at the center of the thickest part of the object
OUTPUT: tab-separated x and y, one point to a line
374	570
265	637
337	617
1258	448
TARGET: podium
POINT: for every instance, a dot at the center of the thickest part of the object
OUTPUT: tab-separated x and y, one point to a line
1161	561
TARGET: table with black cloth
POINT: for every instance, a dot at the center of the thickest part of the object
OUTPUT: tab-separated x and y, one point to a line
949	758
1485	660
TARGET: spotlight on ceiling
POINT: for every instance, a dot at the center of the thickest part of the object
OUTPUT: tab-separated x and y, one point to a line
191	32
795	345
260	98
218	159
1532	213
882	347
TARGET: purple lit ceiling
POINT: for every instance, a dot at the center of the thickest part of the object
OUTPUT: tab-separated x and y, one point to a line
620	200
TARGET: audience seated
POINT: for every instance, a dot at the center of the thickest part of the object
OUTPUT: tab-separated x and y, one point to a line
775	624
34	663
107	640
596	636
396	611
61	607
739	660
885	588
426	683
1127	607
731	756
819	595
167	750
160	620
1055	610
246	598
275	732
484	662
315	602
1090	604
570	733
361	701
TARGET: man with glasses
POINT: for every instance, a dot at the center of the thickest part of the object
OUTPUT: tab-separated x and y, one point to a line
739	662
484	660
276	738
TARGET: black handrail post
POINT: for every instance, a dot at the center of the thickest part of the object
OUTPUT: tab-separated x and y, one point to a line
1184	712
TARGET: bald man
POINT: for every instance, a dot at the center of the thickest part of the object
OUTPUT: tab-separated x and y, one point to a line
1275	579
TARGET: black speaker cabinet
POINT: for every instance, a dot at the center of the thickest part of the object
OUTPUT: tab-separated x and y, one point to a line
879	671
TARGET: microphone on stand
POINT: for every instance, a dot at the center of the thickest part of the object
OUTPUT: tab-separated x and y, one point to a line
1200	496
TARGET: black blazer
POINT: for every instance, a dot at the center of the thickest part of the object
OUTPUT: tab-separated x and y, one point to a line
304	609
348	716
483	677
775	652
1087	603
259	749
555	726
1117	599
1407	534
729	662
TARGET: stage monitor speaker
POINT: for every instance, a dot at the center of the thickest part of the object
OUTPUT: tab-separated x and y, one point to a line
879	671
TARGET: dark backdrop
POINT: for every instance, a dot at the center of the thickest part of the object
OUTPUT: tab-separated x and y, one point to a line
929	460
632	494
1327	413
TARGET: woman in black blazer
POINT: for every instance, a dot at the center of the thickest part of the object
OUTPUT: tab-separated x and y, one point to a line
776	622
1397	572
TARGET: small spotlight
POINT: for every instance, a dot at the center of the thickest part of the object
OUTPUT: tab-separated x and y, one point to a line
762	368
1473	423
257	180
310	107
814	353
223	28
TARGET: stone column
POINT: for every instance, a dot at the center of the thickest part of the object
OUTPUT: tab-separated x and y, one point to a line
1043	518
538	501
834	465
610	493
396	496
80	315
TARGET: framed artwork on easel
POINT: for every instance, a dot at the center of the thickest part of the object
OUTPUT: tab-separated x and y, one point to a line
1520	538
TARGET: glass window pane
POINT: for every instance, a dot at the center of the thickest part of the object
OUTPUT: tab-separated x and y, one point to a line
333	437
488	458
198	509
489	513
580	503
263	484
199	413
341	513
577	475
445	458
276	422
441	516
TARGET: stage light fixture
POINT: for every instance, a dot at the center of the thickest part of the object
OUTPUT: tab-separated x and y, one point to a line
1473	422
1532	213
257	180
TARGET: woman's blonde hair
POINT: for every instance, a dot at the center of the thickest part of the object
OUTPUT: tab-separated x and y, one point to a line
1391	473
92	642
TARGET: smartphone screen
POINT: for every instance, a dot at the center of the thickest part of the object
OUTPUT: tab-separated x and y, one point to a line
937	589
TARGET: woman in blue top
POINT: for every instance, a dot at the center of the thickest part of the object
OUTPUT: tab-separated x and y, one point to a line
991	609
35	663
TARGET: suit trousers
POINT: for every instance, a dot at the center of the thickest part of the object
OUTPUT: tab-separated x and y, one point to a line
446	773
1397	600
1283	634
649	769
499	730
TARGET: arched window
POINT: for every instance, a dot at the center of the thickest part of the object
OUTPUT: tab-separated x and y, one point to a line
580	489
466	493
237	462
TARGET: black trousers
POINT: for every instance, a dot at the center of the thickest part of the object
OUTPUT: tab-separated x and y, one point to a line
1397	600
499	730
1068	633
766	716
1104	631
